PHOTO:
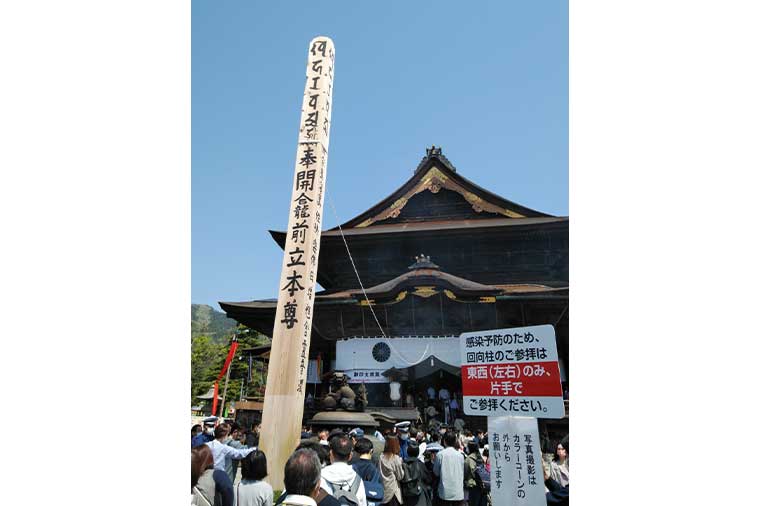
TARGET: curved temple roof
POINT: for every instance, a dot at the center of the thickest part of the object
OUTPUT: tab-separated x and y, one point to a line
474	206
435	173
423	280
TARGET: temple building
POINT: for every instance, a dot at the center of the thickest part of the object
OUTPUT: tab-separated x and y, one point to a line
438	257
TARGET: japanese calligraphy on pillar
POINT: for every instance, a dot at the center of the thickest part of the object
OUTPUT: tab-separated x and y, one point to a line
511	371
517	476
289	357
299	272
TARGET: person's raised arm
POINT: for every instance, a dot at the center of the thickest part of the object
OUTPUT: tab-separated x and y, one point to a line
237	453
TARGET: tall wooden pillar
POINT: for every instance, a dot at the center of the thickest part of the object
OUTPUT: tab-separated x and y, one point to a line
289	357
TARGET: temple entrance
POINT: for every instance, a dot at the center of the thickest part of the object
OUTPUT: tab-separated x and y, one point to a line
429	386
429	391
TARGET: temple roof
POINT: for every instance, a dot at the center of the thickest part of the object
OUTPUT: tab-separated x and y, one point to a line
435	173
356	296
210	395
430	226
436	197
423	279
423	275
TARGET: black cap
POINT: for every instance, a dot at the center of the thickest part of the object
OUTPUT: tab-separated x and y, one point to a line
335	432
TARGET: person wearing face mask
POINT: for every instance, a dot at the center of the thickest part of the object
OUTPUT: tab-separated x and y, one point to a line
207	434
402	430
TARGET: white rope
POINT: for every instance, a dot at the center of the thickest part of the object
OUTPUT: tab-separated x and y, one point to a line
354	266
408	362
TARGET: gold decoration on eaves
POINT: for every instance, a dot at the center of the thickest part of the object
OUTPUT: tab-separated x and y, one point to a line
401	296
424	291
481	300
433	181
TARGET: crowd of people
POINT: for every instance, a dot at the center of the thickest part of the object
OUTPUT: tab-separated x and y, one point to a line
407	465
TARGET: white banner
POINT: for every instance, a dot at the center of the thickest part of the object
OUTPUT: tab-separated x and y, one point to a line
517	475
379	353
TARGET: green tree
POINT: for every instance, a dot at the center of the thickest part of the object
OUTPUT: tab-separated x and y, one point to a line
204	355
247	338
209	354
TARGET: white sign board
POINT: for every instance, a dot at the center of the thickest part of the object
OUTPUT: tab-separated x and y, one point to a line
366	376
517	475
511	372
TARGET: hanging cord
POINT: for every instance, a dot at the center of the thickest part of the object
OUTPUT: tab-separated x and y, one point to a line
372	310
408	362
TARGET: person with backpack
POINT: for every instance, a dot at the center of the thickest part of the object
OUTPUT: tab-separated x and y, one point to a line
392	472
431	451
417	484
474	476
365	467
339	479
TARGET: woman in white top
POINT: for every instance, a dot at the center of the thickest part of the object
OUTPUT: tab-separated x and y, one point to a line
252	490
202	476
391	472
560	469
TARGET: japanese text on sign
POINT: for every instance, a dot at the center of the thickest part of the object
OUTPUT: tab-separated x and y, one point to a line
511	371
516	473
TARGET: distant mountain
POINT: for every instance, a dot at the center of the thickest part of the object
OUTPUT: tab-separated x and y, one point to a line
206	321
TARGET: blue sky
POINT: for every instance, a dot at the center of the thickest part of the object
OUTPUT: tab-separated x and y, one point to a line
487	83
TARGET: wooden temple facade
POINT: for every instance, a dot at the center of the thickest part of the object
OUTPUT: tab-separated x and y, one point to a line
438	257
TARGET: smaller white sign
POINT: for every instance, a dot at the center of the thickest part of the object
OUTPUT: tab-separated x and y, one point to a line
366	376
517	475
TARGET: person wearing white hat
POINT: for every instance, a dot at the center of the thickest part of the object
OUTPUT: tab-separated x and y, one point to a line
208	432
402	429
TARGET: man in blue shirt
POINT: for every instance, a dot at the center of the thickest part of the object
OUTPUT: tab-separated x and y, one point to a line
402	428
207	434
